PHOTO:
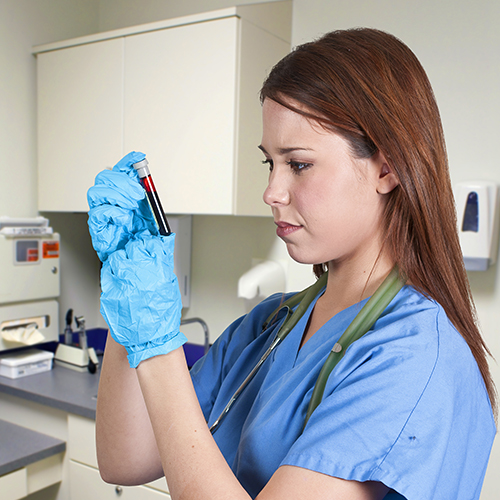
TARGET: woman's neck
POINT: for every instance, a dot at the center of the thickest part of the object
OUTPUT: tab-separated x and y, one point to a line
347	285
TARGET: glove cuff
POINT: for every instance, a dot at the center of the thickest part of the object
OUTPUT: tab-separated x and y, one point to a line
163	345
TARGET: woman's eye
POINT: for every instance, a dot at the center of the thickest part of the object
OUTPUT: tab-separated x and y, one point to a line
268	162
297	166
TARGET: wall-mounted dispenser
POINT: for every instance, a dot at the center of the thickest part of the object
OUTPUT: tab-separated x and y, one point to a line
478	223
263	279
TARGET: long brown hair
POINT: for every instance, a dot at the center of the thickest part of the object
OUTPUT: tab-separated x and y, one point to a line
369	87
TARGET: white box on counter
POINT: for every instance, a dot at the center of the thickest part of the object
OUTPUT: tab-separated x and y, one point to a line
23	363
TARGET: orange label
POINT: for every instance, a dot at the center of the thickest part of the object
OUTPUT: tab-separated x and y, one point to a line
32	255
50	249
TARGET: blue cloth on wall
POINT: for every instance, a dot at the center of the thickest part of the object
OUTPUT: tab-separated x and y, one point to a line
406	405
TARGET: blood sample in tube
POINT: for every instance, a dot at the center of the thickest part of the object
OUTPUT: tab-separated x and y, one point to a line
154	200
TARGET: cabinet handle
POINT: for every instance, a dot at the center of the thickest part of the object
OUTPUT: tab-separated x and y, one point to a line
118	490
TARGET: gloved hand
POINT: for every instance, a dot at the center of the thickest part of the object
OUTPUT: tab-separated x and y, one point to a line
118	207
140	298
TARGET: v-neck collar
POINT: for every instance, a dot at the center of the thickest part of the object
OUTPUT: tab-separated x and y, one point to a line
291	350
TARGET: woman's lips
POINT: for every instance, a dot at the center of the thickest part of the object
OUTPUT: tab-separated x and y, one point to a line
285	229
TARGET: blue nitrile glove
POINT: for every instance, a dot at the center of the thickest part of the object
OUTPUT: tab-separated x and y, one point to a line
140	298
118	207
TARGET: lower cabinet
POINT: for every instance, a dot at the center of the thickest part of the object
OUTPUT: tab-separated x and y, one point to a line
85	480
72	475
85	483
13	485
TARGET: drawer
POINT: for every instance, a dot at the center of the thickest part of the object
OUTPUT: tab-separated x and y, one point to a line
14	485
81	440
33	477
45	472
85	483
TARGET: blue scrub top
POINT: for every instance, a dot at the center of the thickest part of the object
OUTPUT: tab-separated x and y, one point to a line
406	405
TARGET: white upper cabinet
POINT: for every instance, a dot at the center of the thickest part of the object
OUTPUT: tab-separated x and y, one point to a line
180	110
183	91
80	101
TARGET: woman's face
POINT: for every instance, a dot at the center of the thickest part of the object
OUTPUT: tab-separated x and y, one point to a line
325	203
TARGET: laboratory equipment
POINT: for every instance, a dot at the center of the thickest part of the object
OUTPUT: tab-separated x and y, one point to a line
29	282
77	357
147	183
68	332
478	223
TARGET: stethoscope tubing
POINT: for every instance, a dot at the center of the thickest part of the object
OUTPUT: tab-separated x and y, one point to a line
245	382
361	324
303	299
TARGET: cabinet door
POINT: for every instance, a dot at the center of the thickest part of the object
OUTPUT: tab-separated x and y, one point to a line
86	484
81	440
180	98
80	113
259	52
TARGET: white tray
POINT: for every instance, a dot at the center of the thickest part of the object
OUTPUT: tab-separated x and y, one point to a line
21	364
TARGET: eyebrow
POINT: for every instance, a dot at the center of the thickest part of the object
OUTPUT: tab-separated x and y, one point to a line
284	151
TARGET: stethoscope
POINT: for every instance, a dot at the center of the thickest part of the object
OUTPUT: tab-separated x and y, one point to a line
363	321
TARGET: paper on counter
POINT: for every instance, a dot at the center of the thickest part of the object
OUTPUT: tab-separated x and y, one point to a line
28	335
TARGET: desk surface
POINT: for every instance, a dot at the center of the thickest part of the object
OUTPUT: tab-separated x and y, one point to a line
22	447
60	388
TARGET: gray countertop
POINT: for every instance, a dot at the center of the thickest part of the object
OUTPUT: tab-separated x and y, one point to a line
22	447
60	388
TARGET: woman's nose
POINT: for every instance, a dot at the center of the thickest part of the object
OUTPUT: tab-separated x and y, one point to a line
277	192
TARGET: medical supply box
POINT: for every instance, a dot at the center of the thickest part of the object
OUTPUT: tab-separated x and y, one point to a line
23	363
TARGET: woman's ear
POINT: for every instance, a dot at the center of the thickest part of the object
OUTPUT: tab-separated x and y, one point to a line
387	181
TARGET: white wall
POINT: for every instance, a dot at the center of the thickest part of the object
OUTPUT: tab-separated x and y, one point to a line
24	23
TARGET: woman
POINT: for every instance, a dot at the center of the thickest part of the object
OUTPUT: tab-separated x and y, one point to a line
358	184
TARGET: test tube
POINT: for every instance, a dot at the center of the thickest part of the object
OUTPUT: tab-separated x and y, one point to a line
147	183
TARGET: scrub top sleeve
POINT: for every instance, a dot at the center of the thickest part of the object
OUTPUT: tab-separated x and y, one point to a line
406	406
209	372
